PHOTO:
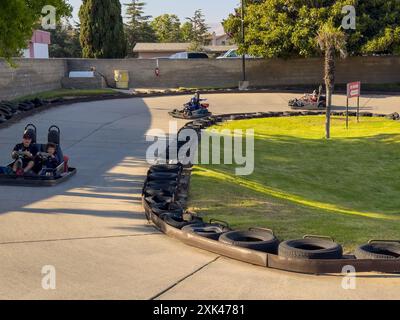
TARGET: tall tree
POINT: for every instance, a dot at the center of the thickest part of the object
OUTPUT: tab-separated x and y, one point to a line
167	28
187	32
18	19
102	29
65	42
282	28
200	32
138	28
331	40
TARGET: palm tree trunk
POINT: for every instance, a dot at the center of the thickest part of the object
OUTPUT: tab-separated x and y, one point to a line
330	84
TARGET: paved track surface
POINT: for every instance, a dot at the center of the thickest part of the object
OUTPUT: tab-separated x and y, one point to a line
92	229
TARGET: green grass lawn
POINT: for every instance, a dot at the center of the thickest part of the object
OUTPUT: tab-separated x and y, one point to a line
63	93
347	188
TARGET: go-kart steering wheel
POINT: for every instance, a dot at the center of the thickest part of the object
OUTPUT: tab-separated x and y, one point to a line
18	154
43	155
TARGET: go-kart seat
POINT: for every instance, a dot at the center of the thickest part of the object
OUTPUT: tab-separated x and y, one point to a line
31	129
54	135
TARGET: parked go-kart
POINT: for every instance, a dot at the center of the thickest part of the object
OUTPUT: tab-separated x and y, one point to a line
194	109
39	176
314	101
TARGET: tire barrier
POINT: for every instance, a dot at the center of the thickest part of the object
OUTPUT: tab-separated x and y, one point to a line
254	238
164	200
387	250
311	248
212	230
9	109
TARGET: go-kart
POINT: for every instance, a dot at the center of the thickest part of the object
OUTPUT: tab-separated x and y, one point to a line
194	109
39	175
309	102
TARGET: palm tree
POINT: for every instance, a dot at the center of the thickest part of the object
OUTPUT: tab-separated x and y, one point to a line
331	40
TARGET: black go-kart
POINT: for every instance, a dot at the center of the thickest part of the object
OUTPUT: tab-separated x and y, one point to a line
39	176
315	101
196	108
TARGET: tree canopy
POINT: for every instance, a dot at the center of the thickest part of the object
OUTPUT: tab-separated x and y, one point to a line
102	29
287	28
167	28
138	28
65	41
199	32
18	19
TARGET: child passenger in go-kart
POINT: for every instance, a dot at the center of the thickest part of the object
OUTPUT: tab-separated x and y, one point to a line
50	160
24	154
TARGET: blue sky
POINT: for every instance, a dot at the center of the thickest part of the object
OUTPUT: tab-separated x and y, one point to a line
214	10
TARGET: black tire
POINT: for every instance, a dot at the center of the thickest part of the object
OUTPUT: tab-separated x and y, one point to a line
23	106
7	112
37	102
378	251
172	168
161	176
164	206
310	248
259	240
11	105
159	200
172	208
164	192
161	184
177	221
394	116
207	230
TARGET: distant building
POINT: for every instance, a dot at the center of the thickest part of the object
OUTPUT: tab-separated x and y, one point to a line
220	40
38	45
165	50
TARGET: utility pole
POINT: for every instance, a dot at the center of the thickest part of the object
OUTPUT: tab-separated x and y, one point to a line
243	42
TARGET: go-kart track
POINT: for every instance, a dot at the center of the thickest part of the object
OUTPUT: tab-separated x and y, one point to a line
93	229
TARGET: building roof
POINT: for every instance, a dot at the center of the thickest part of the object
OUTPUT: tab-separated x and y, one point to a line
40	36
175	47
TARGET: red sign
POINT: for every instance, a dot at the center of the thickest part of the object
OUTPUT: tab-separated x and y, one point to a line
353	89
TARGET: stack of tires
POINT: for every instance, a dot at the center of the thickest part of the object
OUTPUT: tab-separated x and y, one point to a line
165	194
9	109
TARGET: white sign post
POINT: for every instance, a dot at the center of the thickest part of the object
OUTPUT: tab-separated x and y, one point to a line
353	91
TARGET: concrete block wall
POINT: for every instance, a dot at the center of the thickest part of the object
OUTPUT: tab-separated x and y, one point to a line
83	83
260	73
173	73
30	76
37	75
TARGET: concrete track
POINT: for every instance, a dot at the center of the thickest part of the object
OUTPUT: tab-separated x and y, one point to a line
92	229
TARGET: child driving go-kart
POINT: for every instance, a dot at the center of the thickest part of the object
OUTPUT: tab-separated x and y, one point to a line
24	155
194	109
314	101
